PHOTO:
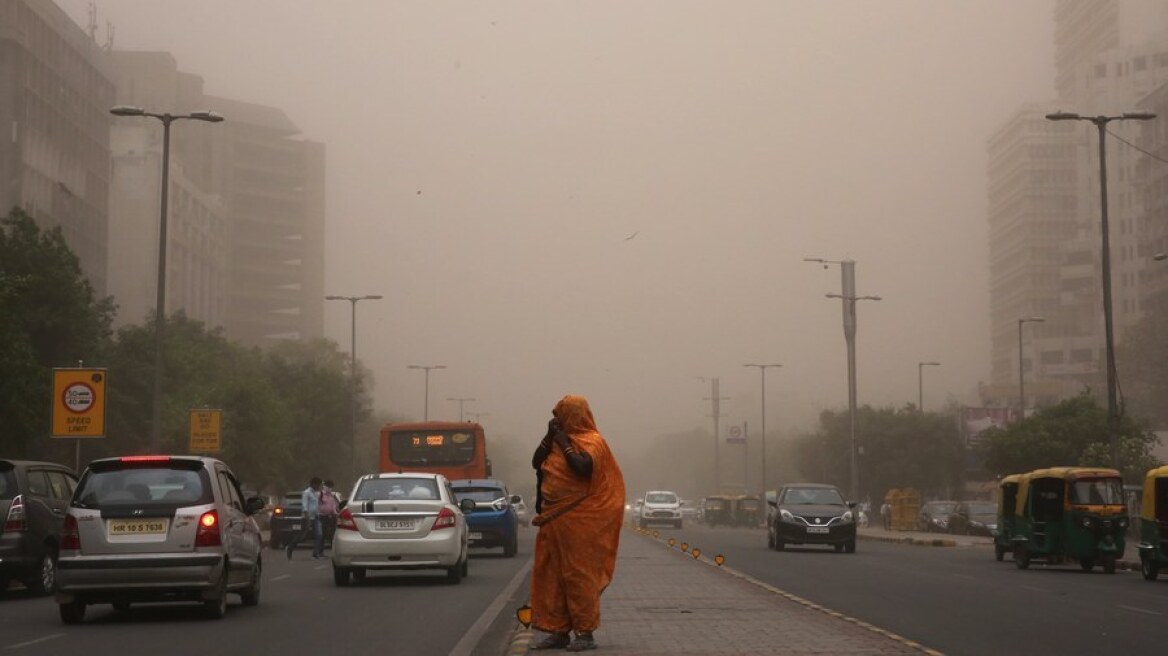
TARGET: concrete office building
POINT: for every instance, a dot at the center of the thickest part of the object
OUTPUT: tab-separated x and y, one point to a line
54	153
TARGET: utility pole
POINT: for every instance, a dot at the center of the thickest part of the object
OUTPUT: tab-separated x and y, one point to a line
716	403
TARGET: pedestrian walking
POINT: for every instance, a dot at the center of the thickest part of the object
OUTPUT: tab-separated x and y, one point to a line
327	510
886	516
310	520
580	498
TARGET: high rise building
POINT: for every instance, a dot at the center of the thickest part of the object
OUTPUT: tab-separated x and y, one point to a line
54	155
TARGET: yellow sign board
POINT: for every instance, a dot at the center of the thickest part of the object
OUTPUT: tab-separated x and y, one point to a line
206	431
78	403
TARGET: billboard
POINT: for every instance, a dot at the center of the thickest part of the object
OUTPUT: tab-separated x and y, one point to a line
975	421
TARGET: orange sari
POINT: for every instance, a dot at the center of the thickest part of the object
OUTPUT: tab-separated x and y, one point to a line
579	527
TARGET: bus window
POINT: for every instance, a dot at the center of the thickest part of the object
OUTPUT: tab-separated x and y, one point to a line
456	450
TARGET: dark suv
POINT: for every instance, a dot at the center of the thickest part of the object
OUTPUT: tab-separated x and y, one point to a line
494	521
33	500
811	513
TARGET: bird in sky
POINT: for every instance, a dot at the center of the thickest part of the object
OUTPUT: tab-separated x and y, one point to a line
632	235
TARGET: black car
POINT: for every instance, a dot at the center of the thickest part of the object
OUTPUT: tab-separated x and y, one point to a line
811	513
33	499
287	521
934	517
974	518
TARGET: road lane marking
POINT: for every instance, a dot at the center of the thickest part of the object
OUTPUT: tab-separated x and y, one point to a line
471	639
29	643
281	577
1140	610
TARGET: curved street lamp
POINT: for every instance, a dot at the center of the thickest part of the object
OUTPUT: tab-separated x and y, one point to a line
160	299
427	368
353	365
762	370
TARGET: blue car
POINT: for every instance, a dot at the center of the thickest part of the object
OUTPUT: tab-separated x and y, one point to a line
493	522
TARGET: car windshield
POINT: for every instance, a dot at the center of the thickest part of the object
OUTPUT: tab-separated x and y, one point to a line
816	496
1097	491
660	497
293	500
983	509
939	508
381	489
486	494
180	482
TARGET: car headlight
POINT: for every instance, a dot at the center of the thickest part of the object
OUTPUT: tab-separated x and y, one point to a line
499	504
1123	522
978	524
847	517
786	516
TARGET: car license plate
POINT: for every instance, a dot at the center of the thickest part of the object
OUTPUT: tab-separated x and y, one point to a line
295	527
818	529
137	526
395	524
475	536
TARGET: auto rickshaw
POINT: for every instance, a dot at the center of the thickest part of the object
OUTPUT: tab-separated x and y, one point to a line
1153	546
1070	512
1007	502
748	510
717	509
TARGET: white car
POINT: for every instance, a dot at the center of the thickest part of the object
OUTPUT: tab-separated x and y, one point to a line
401	522
660	507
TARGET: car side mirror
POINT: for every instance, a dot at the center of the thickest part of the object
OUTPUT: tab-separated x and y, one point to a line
253	505
515	498
466	505
772	503
852	505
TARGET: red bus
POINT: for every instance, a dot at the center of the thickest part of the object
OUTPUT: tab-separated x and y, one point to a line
457	450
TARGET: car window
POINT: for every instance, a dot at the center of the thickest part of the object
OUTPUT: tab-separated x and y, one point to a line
660	498
7	483
479	493
813	496
380	489
230	491
135	485
38	483
60	484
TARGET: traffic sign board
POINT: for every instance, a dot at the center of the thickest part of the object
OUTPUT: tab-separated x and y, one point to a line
735	434
206	434
78	403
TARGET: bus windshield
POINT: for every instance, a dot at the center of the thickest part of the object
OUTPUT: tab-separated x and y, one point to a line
442	448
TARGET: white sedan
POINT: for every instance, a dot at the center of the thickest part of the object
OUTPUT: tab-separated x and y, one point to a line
401	522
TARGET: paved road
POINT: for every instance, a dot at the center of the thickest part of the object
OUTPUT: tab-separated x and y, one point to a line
301	611
957	600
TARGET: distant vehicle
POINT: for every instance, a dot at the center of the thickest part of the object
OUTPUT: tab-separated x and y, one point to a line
401	522
522	513
934	516
974	518
456	450
689	510
660	507
811	513
158	528
493	522
33	499
287	520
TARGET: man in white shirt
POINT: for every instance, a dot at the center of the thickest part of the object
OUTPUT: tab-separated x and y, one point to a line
310	520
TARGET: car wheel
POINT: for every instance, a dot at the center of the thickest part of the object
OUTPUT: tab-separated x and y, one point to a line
1021	557
838	548
360	574
1087	564
1109	564
340	576
454	574
850	547
512	547
216	608
770	538
999	553
274	543
466	567
72	612
779	544
46	579
1149	569
251	594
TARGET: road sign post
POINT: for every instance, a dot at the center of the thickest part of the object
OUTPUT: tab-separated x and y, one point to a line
206	431
78	403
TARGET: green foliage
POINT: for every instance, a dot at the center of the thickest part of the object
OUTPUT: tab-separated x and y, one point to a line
1072	433
900	448
49	317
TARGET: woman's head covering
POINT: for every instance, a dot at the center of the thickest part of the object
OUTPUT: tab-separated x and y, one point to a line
574	415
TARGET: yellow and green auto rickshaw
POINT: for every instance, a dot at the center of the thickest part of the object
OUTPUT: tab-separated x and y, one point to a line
1007	502
1070	512
748	510
1153	546
717	509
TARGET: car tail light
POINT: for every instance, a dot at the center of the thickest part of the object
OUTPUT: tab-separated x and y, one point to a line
70	536
446	519
278	511
345	521
144	459
207	532
15	520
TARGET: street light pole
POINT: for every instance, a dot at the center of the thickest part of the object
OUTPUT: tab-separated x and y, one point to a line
461	400
427	368
1021	373
849	298
353	367
1100	123
921	383
160	299
762	370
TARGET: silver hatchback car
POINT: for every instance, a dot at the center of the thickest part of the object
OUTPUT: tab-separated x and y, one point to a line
401	522
158	528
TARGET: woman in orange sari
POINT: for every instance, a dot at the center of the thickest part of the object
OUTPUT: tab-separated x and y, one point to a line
580	500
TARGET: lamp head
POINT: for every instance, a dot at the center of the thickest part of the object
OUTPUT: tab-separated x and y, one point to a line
207	115
1063	116
127	110
1139	116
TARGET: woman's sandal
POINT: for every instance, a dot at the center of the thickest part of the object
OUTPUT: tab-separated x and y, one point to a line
553	641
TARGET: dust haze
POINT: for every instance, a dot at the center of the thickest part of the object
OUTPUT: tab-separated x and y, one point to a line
614	199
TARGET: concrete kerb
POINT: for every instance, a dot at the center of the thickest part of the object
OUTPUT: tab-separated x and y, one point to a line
920	542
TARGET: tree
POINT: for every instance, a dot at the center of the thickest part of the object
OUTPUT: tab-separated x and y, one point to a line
50	316
1140	359
1071	433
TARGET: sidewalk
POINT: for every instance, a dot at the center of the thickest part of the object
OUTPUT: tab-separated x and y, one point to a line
921	538
663	601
